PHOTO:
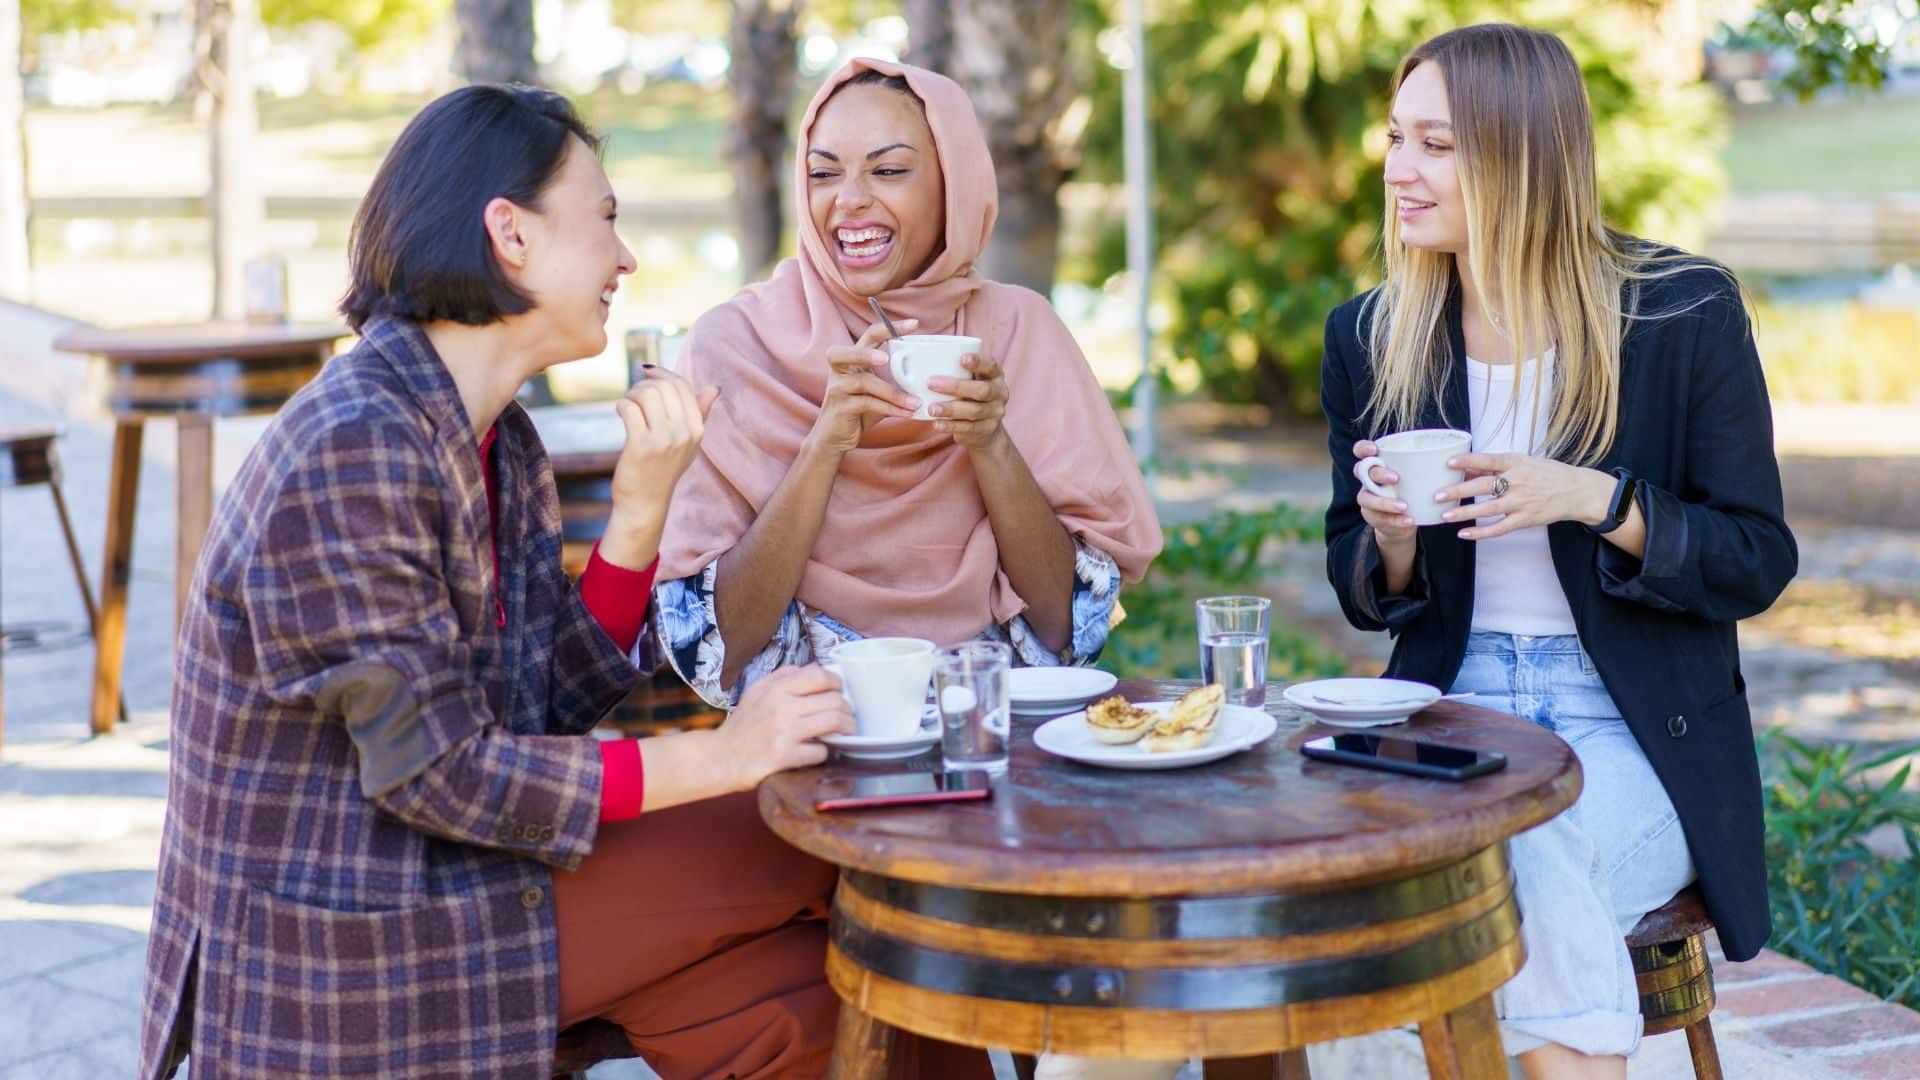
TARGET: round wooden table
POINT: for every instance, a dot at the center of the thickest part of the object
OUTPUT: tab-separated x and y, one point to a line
1245	907
190	374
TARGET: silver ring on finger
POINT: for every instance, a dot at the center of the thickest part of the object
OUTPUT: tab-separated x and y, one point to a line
1500	487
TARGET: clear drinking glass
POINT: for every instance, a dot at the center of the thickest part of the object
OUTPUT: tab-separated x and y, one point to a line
970	686
1233	646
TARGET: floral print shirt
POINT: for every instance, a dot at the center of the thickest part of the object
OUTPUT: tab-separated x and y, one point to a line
690	633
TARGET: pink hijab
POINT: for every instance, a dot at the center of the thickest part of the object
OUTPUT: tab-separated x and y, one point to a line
906	548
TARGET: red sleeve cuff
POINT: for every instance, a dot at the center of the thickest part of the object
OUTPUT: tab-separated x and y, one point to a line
623	780
617	597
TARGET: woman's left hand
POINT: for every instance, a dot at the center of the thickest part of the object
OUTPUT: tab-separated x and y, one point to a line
1530	491
979	403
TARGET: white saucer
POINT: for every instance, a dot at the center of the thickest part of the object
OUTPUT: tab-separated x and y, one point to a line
1359	703
888	747
1239	727
1050	691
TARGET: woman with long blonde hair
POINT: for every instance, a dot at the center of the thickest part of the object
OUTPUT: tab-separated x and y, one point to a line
1621	511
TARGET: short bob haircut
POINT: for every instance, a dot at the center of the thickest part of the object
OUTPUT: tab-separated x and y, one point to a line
419	248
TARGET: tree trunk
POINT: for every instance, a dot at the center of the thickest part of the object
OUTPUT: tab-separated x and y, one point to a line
236	210
929	34
496	41
15	282
758	150
1011	57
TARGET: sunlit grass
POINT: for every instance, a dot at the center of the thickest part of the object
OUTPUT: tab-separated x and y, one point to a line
1860	146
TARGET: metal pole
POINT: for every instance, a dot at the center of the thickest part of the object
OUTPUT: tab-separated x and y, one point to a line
1139	170
15	281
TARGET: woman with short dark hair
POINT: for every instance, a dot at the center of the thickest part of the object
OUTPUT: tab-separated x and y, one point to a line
388	835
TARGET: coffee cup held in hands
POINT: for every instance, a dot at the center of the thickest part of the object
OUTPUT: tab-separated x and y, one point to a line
917	358
1420	457
885	681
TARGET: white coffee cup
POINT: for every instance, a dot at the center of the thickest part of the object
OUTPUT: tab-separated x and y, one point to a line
1420	457
885	680
915	359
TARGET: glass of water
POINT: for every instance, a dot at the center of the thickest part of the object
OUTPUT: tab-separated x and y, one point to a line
971	687
1233	646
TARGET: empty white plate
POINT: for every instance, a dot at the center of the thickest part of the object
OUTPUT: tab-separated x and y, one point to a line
1238	728
1049	691
1361	702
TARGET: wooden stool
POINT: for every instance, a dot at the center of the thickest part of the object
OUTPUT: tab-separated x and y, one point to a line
588	1043
1670	963
27	458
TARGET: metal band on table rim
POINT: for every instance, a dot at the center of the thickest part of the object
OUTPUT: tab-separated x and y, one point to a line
1206	918
212	405
284	358
1204	989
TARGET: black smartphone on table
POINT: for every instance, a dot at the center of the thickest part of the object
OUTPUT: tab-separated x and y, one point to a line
1393	753
901	789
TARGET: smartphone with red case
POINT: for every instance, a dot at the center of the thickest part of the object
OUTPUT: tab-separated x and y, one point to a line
901	789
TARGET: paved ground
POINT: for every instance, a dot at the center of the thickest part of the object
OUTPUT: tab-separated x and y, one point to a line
80	818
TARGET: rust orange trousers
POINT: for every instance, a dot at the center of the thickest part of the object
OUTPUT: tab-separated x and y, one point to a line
704	936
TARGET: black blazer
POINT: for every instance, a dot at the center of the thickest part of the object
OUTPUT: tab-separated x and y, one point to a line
1696	428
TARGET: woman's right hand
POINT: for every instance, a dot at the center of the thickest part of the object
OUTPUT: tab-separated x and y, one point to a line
779	721
1393	529
857	398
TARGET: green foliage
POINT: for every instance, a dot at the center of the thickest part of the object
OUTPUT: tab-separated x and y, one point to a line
368	22
1228	553
1269	129
1834	43
38	17
1838	905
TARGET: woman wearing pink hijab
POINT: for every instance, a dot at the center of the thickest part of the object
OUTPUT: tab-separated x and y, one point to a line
819	510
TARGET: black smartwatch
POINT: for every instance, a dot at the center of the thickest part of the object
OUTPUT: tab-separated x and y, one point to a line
1625	487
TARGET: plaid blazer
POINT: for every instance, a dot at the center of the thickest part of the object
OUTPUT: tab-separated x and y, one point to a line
369	779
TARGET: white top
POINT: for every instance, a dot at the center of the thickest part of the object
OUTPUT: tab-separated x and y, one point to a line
1515	589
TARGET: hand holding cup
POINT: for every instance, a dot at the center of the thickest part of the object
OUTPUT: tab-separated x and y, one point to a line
1385	514
857	397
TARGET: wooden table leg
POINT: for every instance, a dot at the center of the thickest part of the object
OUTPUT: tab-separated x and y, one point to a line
1465	1044
110	636
862	1046
80	573
194	505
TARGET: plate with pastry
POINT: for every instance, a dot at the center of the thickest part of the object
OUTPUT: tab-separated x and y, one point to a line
1117	734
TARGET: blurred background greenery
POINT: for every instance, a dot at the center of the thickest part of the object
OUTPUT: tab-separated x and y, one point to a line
1267	127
